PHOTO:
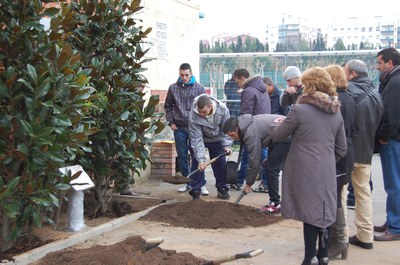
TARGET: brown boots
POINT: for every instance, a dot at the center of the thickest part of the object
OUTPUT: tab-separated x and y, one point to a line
338	244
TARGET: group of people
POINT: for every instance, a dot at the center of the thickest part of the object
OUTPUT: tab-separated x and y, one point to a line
321	132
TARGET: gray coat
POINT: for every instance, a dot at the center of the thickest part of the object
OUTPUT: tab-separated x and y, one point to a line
207	130
253	132
309	172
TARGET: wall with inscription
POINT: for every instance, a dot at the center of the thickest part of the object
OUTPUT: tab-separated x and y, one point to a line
174	39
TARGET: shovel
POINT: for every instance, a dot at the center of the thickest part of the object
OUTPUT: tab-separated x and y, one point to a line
240	197
245	255
187	179
148	244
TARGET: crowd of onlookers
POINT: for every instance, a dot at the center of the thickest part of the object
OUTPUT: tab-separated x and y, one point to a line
321	132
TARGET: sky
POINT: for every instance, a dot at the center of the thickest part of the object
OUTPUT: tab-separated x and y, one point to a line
252	16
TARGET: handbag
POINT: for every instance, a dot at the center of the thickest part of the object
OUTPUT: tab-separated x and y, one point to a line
231	169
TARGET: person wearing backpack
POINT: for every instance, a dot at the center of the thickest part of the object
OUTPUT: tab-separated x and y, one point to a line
369	110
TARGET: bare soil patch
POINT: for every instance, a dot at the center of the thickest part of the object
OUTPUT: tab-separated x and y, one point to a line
197	214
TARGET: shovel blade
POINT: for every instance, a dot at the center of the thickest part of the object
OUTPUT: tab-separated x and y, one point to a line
175	180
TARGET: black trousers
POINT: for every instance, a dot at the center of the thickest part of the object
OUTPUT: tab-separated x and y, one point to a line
276	156
311	234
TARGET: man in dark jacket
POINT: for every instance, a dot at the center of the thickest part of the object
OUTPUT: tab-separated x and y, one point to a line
255	100
294	89
388	63
233	97
369	110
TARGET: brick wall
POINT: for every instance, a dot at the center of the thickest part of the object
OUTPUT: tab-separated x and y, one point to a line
163	159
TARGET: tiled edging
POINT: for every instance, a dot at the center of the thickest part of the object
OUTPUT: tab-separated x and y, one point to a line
81	236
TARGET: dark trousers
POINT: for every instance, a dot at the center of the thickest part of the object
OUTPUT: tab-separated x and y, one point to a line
218	167
276	157
311	234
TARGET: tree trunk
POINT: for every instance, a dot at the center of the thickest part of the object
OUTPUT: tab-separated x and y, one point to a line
5	226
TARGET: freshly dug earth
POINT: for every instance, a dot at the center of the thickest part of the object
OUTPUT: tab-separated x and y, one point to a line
125	252
198	214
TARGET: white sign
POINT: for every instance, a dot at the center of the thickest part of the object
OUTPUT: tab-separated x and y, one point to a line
82	182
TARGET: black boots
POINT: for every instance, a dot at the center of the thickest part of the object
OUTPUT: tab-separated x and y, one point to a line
195	194
313	261
323	261
338	244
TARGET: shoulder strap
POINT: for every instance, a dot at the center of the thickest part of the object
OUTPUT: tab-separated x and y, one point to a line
362	96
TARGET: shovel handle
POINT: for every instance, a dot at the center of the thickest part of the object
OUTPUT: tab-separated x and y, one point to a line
245	255
208	163
240	197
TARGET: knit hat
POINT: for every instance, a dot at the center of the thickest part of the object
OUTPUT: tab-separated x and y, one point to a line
291	72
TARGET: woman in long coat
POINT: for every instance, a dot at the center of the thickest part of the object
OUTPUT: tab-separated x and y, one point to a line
309	172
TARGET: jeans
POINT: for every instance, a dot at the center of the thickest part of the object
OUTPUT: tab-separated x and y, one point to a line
182	145
363	207
390	160
276	157
218	167
244	163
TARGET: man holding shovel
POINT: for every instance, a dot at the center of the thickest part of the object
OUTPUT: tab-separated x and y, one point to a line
253	132
205	131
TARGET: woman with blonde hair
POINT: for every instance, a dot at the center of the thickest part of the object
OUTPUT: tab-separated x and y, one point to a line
309	172
338	244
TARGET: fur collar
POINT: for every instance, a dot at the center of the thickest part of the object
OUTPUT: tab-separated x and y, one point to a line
250	79
321	101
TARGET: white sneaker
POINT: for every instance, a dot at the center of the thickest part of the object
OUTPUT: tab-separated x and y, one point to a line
184	188
204	191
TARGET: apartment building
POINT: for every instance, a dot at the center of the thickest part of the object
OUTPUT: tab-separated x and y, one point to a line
375	32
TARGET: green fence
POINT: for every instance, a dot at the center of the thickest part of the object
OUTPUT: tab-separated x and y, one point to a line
216	68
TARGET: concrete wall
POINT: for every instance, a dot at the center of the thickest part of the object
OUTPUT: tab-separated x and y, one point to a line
174	40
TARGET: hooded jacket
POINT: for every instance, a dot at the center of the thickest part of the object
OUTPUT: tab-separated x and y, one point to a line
309	171
253	132
179	100
209	129
255	99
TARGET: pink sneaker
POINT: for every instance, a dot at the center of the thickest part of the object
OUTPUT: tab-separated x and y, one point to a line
271	208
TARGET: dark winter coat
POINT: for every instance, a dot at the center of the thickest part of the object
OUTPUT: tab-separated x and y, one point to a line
287	100
255	99
348	110
309	172
231	92
390	91
276	107
253	132
369	111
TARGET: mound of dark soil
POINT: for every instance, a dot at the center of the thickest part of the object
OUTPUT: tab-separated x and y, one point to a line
200	214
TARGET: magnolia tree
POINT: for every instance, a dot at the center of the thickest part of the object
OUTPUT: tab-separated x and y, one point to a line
69	95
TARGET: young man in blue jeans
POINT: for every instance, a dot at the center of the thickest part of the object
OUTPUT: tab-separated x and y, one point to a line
177	106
